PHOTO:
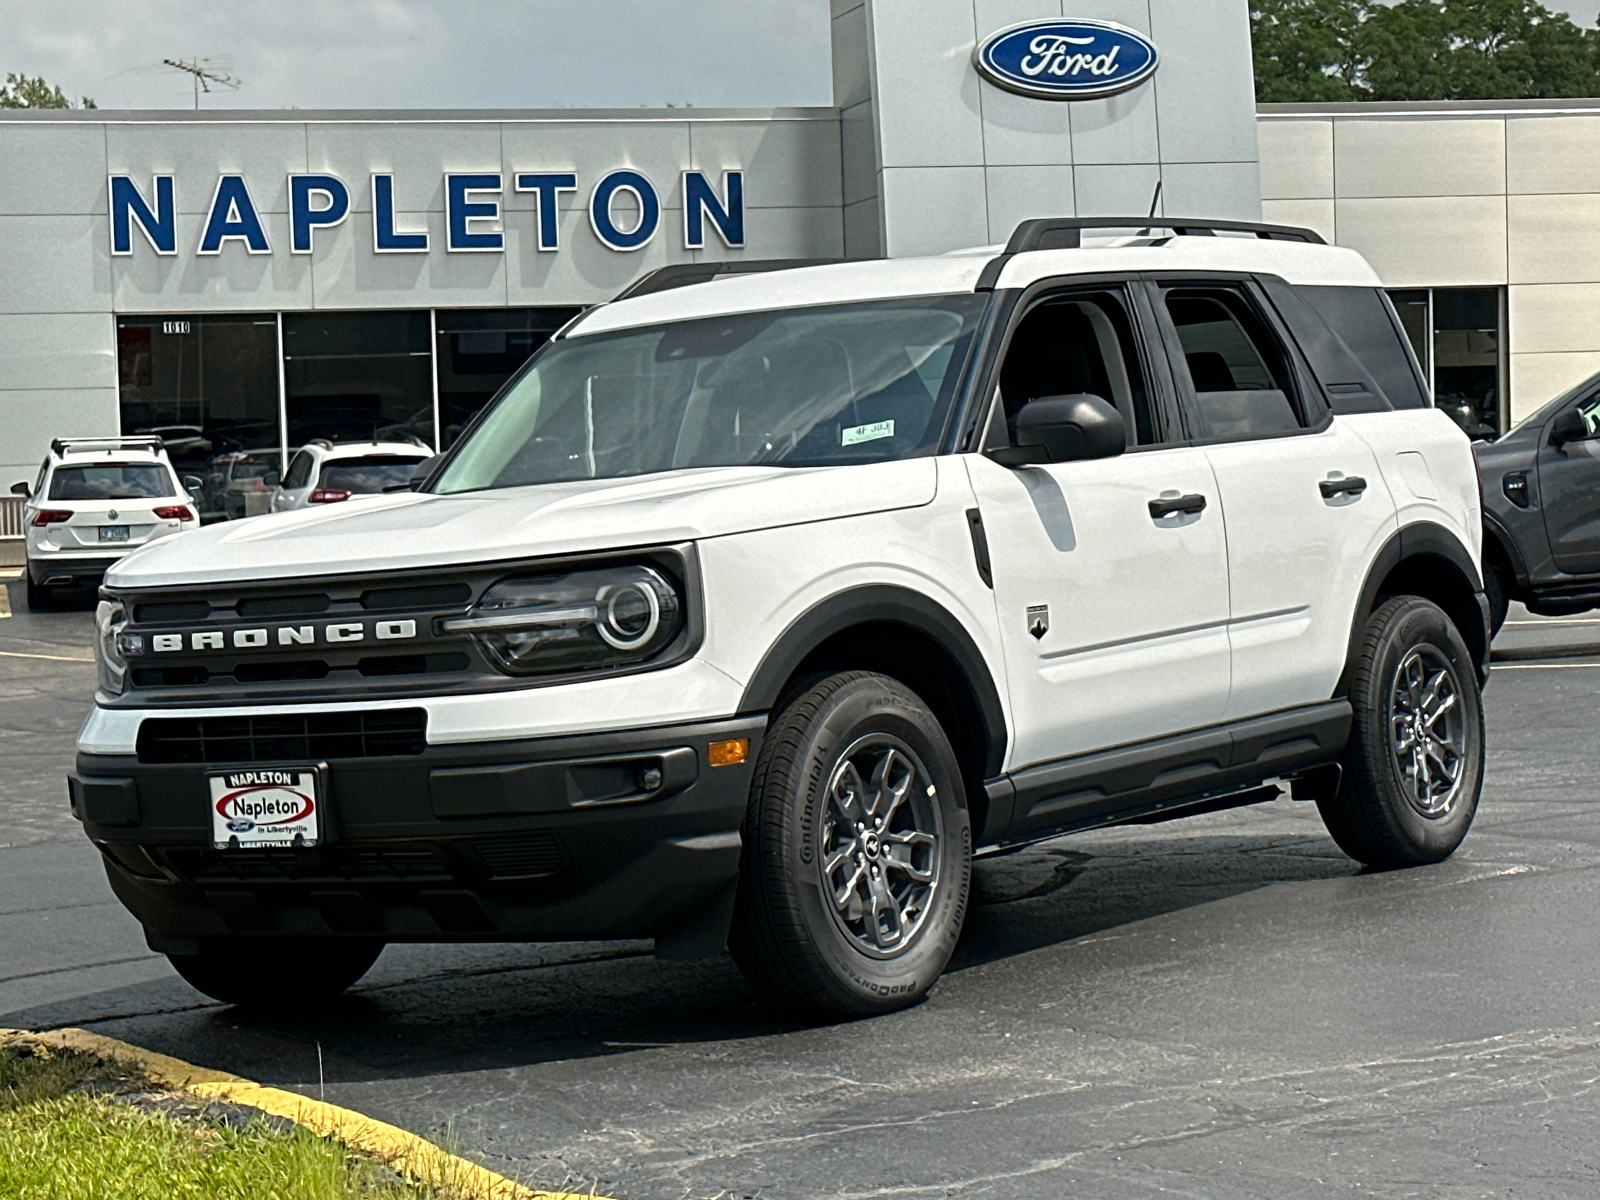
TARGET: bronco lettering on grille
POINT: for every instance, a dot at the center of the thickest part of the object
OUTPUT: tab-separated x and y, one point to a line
337	633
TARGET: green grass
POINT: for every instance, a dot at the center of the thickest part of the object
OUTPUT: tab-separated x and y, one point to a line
70	1130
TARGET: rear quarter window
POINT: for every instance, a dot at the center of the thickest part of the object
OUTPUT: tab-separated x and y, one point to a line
1361	319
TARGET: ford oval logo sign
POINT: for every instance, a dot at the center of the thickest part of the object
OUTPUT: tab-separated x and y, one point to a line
1066	60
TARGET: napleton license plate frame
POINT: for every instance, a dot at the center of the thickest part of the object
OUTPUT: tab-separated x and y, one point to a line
267	787
123	533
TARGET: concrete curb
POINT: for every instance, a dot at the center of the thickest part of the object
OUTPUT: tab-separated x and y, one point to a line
410	1155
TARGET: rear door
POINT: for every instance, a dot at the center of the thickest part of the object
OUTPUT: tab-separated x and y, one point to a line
1113	615
1306	506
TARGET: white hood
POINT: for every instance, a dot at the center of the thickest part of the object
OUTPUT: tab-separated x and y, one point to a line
406	530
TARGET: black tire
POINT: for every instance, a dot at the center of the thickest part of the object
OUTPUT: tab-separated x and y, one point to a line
258	973
1382	815
40	598
1494	590
791	939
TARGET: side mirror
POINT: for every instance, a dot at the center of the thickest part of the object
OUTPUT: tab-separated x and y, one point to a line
21	489
1054	429
421	471
1568	427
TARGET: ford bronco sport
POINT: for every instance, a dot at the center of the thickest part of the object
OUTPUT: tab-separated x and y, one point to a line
762	600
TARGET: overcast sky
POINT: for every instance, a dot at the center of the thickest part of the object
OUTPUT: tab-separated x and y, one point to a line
428	53
438	53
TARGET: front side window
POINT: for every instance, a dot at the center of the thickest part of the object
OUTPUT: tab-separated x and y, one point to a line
1241	378
806	387
1080	344
112	481
368	474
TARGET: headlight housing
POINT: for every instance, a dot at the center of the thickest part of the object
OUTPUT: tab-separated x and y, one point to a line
111	644
586	620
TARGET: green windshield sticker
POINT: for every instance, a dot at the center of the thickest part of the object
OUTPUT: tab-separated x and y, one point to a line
866	433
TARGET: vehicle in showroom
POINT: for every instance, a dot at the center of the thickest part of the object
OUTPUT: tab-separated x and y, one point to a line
1541	509
760	601
240	484
325	472
95	500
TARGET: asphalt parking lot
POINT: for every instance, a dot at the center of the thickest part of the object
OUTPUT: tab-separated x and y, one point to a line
1219	1007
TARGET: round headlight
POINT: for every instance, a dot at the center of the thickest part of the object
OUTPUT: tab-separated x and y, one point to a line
630	615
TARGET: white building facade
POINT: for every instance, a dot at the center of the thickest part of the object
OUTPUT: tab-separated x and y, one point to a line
242	282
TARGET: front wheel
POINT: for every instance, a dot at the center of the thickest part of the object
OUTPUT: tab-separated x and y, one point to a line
858	851
259	973
1413	768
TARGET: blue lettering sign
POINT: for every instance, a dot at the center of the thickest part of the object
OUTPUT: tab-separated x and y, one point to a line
385	238
303	218
649	210
727	214
160	226
233	215
1066	60
547	191
461	211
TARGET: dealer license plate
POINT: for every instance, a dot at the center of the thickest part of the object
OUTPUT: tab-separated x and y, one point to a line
265	806
113	533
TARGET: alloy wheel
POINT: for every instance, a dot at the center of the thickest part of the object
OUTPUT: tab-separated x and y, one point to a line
1427	731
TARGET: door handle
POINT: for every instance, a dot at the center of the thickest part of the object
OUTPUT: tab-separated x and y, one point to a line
1178	504
1350	485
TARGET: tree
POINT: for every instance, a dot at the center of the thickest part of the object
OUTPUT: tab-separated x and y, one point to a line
1319	50
25	91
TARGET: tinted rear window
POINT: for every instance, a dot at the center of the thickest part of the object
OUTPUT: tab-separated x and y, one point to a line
1361	318
111	481
370	474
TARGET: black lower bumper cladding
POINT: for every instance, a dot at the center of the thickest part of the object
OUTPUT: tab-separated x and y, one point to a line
626	834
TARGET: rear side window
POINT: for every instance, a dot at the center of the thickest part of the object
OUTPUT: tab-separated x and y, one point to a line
1242	381
372	473
1360	318
299	471
111	481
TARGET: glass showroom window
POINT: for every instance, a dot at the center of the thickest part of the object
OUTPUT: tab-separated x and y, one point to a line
209	387
478	349
358	377
1458	335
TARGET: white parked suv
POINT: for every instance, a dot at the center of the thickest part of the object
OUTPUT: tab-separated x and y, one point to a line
95	500
753	609
324	472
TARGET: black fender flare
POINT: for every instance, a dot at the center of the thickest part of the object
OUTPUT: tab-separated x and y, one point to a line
876	604
1417	540
1494	528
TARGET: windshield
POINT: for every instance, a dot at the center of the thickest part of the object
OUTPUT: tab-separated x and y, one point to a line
371	474
111	481
805	387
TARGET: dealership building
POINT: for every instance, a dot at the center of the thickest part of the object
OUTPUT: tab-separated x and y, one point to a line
242	282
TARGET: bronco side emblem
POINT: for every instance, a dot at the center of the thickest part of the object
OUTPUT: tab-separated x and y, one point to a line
1038	619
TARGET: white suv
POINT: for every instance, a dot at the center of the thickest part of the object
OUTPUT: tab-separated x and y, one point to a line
752	609
324	472
95	500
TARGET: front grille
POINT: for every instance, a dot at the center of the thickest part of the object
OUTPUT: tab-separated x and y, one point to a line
439	595
520	855
283	737
179	610
354	864
283	606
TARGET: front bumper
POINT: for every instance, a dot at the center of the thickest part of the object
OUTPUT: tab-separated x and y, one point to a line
533	840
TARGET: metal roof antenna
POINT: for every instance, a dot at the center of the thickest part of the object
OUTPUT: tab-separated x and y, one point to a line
206	71
1155	203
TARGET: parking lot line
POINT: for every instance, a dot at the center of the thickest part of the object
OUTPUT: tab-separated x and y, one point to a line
5	601
404	1152
45	657
1553	666
1548	623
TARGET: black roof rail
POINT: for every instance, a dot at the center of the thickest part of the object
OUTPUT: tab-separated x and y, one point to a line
1066	233
664	279
61	446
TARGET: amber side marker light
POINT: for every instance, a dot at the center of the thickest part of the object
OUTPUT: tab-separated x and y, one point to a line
729	753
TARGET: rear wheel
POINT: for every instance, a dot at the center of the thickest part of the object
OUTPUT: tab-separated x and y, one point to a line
1494	590
259	973
40	598
1414	766
857	855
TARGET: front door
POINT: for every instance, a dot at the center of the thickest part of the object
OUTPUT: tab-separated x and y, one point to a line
1569	492
1110	576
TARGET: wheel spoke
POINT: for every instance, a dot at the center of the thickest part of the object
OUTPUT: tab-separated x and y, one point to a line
849	795
906	844
886	922
843	895
886	783
1443	706
838	858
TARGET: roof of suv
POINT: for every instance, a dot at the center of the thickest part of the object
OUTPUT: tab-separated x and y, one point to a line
362	449
1297	261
